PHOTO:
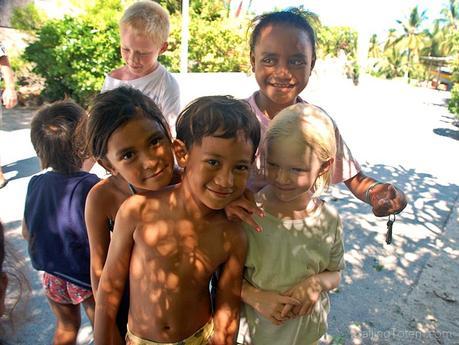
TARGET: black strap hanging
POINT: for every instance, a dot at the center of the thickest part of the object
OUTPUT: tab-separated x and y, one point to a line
390	222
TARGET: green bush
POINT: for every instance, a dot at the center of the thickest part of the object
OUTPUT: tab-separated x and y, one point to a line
453	103
332	39
216	41
419	72
391	65
73	55
28	18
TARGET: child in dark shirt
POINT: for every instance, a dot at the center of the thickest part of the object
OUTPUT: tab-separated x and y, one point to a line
53	221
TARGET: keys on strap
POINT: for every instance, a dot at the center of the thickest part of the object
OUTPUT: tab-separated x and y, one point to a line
390	222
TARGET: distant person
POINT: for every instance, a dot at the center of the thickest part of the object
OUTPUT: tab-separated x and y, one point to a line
297	258
282	55
128	136
8	96
144	30
168	244
54	222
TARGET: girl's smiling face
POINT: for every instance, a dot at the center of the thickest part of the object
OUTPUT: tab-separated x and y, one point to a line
141	153
282	62
292	170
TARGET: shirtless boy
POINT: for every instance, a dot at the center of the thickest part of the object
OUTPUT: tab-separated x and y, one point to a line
169	243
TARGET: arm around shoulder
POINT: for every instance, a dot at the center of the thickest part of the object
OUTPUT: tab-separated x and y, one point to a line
115	273
96	219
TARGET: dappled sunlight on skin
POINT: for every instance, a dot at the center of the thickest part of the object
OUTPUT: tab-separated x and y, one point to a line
171	264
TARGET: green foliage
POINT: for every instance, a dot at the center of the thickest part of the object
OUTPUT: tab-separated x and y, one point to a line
391	65
23	71
103	13
453	103
73	55
419	71
402	52
374	51
332	39
172	6
28	18
216	47
216	41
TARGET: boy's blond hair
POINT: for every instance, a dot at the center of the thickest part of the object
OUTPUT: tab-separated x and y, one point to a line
148	18
309	125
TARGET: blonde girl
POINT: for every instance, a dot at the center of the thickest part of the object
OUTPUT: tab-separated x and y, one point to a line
298	257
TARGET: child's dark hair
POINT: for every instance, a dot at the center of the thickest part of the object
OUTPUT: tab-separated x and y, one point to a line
112	109
217	116
293	17
56	136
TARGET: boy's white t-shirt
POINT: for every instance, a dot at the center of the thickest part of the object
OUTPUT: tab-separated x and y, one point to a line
345	166
160	86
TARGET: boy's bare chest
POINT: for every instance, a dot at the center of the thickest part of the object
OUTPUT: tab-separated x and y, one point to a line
181	247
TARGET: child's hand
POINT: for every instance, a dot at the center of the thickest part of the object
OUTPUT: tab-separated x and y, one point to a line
386	199
271	305
307	292
10	98
243	209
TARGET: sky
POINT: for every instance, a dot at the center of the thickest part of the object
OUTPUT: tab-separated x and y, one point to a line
369	15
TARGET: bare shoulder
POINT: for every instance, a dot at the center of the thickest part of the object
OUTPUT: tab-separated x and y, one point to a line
148	207
100	193
134	205
104	192
232	231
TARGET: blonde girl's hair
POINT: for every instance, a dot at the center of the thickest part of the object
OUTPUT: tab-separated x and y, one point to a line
148	18
309	125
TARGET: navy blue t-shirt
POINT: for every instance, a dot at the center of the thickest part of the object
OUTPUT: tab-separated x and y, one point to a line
54	215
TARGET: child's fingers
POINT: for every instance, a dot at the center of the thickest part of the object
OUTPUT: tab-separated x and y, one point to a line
241	214
393	201
297	309
246	218
249	206
277	319
286	310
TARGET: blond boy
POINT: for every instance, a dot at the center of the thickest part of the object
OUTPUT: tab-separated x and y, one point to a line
169	243
144	29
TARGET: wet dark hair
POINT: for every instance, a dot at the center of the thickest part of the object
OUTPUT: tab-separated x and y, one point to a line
293	17
56	136
217	116
112	109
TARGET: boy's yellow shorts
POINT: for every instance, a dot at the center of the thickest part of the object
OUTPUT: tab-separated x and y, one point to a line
200	337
